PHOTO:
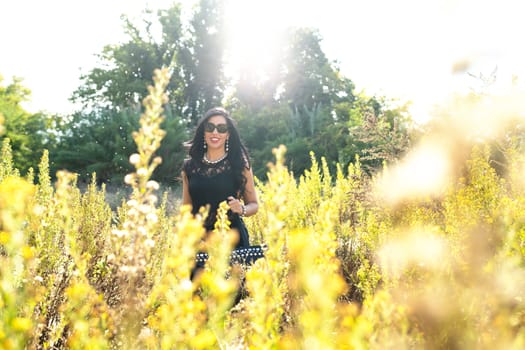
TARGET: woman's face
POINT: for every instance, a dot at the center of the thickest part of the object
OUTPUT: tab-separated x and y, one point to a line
216	132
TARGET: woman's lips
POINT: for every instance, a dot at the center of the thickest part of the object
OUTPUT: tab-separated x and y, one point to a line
214	140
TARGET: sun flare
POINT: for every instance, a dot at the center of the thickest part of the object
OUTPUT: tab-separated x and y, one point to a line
255	30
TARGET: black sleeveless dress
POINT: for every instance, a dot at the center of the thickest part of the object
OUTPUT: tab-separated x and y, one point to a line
210	184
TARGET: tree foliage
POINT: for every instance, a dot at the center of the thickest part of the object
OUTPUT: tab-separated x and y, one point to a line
194	54
314	108
202	60
303	101
27	133
100	142
125	70
381	134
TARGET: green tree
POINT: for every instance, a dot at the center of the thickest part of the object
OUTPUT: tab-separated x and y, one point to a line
171	149
194	53
27	132
304	104
311	84
98	141
262	130
125	70
202	60
382	132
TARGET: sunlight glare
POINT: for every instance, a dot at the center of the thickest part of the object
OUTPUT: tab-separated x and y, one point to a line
425	171
255	31
417	248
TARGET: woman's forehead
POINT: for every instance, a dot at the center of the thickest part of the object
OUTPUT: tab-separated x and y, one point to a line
217	119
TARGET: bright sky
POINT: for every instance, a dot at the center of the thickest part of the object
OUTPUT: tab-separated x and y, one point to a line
402	49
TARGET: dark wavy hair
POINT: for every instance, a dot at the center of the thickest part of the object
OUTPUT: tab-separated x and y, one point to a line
237	153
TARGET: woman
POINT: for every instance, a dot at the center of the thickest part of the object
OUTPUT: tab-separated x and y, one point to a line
219	170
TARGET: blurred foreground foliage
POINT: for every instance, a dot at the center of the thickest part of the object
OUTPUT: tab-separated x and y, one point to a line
349	265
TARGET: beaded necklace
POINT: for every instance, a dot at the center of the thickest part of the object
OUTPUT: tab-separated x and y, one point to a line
211	162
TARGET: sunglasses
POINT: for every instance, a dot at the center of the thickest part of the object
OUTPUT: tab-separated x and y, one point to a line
221	128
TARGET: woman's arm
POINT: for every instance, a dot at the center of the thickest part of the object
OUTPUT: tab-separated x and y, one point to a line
251	203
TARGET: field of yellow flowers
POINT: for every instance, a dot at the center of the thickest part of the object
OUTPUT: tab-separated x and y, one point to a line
429	254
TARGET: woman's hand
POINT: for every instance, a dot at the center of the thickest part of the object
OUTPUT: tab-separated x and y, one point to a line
236	206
